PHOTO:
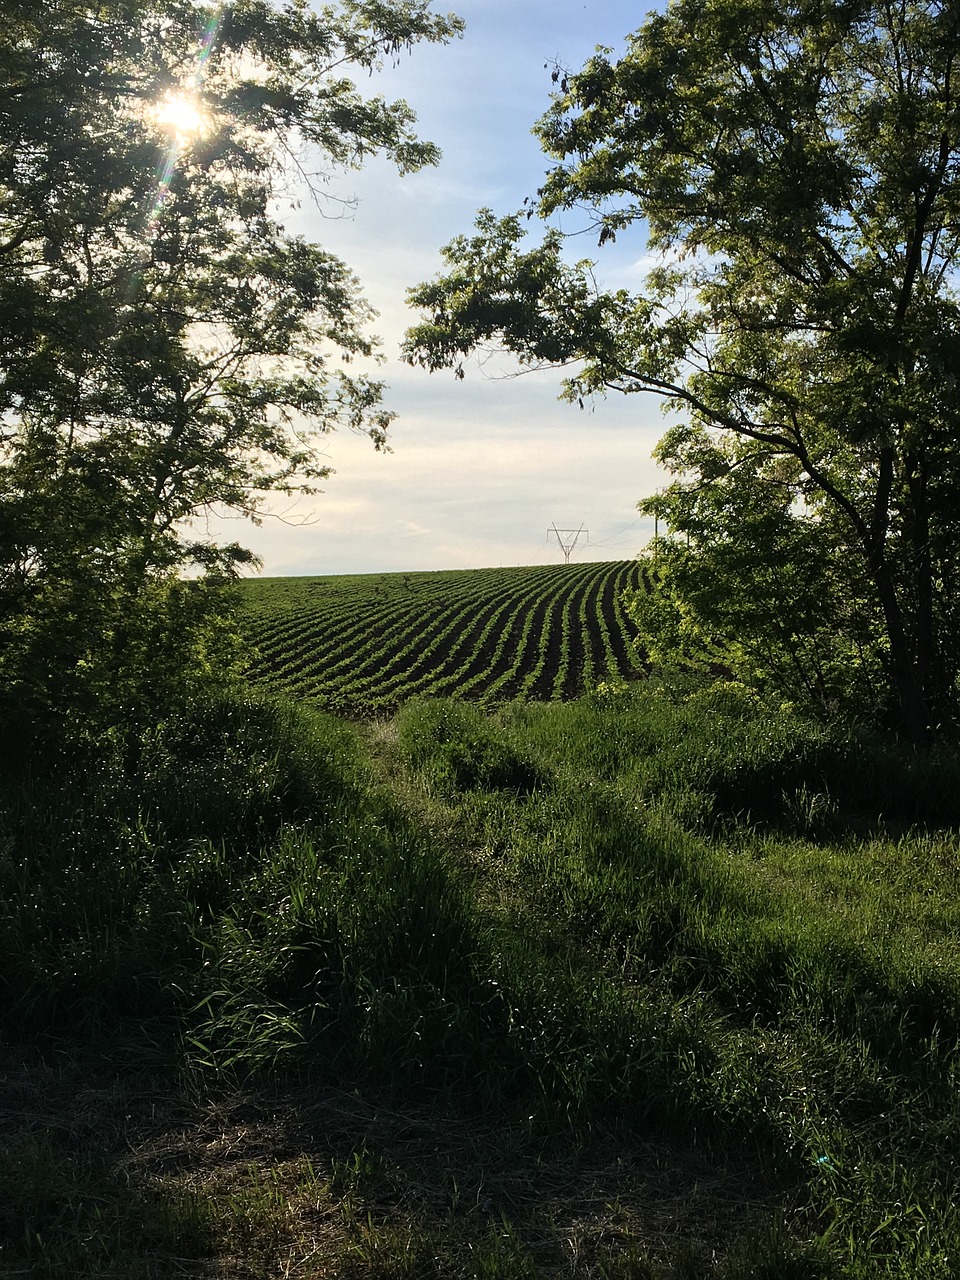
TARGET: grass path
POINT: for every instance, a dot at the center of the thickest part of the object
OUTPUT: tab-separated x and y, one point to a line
597	991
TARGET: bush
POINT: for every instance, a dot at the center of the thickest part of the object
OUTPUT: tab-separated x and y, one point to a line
111	859
457	747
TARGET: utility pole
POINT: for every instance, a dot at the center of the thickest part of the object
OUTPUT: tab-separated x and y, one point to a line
564	539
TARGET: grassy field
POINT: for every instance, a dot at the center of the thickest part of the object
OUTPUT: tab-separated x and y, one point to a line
610	988
368	643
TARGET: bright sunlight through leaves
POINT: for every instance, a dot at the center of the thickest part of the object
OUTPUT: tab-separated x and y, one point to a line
181	114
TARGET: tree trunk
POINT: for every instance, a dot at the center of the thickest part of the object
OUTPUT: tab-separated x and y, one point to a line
930	657
905	674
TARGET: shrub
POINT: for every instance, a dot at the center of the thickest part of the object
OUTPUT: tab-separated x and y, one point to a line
456	747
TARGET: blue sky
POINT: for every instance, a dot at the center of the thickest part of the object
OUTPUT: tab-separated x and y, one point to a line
482	468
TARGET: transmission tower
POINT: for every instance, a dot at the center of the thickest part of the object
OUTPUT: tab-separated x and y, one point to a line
567	539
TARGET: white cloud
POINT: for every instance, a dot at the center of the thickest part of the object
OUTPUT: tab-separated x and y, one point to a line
479	490
480	468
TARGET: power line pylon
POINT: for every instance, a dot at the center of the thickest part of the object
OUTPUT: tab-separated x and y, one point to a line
564	539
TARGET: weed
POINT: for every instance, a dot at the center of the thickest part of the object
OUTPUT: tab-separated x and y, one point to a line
456	747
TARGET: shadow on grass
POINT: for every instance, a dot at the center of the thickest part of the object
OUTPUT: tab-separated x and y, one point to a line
105	1176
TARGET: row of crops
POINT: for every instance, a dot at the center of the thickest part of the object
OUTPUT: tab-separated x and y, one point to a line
372	641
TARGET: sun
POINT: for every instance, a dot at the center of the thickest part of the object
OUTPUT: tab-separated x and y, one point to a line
180	113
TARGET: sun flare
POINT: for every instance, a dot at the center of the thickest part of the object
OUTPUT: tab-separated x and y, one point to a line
180	113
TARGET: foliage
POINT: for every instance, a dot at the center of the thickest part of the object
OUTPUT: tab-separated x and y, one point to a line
78	663
796	165
764	599
167	347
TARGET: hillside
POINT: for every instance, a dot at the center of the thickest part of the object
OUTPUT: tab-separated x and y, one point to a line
372	641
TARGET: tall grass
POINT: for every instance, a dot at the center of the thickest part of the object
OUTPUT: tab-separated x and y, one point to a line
112	863
707	927
789	889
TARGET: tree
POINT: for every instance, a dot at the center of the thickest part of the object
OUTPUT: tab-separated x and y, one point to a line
796	164
165	344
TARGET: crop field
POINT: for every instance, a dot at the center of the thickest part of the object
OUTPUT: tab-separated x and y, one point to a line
370	642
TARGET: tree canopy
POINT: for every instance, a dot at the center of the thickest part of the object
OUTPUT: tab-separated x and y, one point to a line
795	165
166	345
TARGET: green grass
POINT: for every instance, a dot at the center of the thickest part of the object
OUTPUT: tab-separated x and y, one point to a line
605	988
